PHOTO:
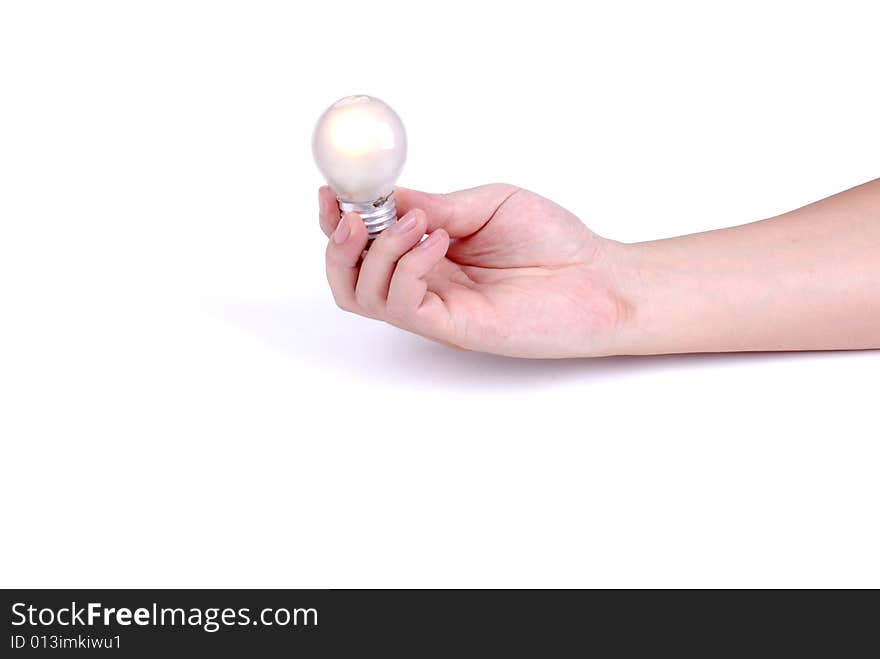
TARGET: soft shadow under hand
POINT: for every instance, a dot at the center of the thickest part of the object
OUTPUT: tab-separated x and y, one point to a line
315	331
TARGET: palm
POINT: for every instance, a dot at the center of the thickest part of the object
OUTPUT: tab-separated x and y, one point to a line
531	269
503	270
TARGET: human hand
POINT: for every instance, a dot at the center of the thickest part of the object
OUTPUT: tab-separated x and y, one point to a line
502	270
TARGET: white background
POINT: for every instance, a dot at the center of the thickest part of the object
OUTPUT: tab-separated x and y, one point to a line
183	405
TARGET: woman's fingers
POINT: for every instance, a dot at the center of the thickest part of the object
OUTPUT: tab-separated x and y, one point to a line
391	283
328	211
374	279
410	304
344	249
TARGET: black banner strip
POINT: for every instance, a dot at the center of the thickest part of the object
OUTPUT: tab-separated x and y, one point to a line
412	623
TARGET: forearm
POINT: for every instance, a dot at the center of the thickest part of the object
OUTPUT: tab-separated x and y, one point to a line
805	280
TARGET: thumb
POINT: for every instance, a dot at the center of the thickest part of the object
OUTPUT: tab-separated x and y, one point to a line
459	213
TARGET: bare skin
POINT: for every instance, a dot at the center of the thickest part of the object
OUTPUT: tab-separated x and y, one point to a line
505	271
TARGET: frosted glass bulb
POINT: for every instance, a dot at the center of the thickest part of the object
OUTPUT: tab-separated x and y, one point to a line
359	145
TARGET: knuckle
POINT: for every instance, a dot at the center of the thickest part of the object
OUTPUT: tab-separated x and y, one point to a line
407	266
503	188
365	300
382	247
336	257
342	303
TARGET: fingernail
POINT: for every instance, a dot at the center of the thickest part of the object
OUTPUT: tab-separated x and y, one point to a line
430	241
405	223
342	231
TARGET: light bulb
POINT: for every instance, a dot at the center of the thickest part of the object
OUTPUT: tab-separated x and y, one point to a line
359	145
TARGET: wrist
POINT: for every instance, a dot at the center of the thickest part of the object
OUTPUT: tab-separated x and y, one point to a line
660	295
695	293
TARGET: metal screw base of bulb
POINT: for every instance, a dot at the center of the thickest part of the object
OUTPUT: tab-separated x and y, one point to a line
377	216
